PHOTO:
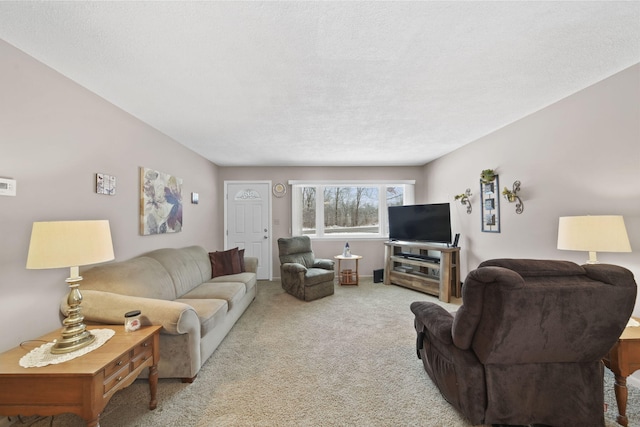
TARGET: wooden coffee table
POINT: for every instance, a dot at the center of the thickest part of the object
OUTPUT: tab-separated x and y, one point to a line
624	359
83	385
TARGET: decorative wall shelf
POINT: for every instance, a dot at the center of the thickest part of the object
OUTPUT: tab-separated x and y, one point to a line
465	199
512	196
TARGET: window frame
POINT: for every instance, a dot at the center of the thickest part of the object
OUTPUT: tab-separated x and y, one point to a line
383	233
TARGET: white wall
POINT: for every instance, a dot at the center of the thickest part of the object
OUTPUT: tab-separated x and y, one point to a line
54	137
578	156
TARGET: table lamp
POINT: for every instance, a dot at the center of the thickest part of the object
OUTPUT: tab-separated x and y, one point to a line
70	244
597	233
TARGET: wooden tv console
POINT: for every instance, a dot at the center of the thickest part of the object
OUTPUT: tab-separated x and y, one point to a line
426	267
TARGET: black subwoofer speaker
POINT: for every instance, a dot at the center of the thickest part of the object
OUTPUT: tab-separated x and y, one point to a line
378	275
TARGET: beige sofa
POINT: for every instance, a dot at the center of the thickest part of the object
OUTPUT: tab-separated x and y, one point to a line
172	288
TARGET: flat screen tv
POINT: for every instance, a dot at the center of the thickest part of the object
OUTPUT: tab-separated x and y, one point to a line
426	223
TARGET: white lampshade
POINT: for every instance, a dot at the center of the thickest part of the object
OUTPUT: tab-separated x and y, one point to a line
59	244
597	233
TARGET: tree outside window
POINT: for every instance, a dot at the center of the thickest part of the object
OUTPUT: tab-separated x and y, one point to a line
356	210
351	210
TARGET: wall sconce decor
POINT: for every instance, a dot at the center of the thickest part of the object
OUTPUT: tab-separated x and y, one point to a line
465	199
512	196
490	201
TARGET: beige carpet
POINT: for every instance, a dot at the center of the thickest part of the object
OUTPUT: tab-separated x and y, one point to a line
344	360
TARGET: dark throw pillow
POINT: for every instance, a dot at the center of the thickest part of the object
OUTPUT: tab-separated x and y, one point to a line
227	262
241	259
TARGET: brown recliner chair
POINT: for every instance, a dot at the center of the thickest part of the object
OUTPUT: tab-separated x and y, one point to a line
302	275
526	345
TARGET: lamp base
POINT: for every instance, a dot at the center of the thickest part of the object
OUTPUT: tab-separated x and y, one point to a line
67	344
592	258
74	335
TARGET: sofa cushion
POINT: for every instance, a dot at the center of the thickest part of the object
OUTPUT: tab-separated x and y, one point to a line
248	278
184	265
138	277
241	259
201	258
314	276
296	249
305	259
232	292
211	312
226	262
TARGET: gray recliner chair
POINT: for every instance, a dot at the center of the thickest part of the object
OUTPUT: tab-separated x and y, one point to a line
526	346
302	275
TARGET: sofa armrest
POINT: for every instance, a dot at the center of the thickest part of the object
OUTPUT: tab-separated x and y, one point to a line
109	308
611	274
251	264
326	264
435	319
293	267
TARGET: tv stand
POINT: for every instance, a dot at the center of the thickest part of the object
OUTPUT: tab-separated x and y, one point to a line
426	267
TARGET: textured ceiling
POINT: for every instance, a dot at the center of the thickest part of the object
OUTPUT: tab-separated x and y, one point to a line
328	83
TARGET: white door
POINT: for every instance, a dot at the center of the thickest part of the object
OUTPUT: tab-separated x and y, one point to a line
247	221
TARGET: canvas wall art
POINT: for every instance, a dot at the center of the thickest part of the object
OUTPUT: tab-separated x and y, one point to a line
160	202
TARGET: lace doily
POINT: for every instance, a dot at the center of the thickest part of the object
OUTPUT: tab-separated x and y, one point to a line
42	356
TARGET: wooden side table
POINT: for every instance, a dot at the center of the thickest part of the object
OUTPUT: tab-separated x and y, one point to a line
83	385
624	359
348	277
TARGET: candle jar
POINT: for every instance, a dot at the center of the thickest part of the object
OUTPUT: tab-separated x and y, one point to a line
132	320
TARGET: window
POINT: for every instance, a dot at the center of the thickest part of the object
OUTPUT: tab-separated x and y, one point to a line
338	209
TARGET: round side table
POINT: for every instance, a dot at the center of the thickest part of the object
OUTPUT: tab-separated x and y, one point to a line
348	276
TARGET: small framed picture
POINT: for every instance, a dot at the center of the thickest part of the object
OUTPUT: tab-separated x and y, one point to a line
490	204
490	219
105	184
487	188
